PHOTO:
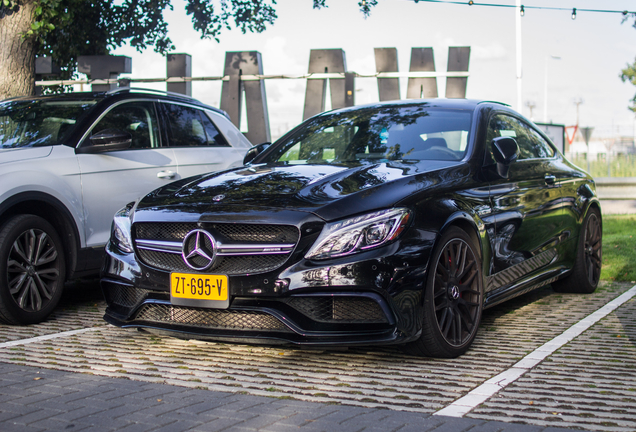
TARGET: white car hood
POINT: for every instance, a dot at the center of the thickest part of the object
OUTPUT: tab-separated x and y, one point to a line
18	154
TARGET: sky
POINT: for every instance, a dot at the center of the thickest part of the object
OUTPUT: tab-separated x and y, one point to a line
591	49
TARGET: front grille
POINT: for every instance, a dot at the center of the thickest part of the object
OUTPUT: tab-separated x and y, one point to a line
210	318
339	309
232	265
246	233
125	296
228	234
163	231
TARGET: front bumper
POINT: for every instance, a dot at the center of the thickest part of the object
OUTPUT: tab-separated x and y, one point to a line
371	301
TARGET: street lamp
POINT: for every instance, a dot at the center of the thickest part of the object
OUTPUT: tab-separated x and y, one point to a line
545	88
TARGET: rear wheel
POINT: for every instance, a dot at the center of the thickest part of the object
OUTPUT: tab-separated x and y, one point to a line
453	298
586	272
32	270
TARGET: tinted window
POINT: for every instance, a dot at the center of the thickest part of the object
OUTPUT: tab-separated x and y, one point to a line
39	123
190	127
531	144
378	134
541	146
136	118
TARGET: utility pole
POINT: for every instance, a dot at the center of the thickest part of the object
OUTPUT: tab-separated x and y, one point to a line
577	102
531	106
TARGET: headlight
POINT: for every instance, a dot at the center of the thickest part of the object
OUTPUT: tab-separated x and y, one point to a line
359	233
120	230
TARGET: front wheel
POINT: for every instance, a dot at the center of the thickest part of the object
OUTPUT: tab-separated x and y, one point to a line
586	272
32	270
453	298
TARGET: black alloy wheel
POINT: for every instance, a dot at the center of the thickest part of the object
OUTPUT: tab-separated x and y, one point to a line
586	273
593	250
453	298
32	268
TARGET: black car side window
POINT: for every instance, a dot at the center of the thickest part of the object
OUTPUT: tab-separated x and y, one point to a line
136	118
191	127
541	146
502	125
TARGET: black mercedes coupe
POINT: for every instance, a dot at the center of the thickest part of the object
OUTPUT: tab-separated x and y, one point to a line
390	223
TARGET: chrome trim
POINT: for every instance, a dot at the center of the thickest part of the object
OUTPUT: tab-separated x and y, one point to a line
160	246
174	247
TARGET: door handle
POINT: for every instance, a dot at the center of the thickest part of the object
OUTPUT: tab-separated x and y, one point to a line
166	175
550	179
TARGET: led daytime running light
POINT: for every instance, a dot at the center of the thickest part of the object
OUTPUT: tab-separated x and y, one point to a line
359	233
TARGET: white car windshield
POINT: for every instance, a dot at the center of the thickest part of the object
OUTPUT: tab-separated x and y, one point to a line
36	123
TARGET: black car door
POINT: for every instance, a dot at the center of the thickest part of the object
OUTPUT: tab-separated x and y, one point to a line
526	209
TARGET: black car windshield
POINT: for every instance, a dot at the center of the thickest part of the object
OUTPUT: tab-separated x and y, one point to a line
37	123
412	132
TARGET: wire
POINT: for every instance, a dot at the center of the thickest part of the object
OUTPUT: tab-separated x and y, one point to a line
524	7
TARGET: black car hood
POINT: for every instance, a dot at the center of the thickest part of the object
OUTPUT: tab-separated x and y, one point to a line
328	191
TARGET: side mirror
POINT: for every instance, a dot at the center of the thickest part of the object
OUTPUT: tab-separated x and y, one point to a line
505	150
108	140
255	151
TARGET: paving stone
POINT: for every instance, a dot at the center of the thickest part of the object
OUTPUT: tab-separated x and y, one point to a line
589	375
18	427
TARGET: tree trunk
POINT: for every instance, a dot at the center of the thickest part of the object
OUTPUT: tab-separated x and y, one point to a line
17	54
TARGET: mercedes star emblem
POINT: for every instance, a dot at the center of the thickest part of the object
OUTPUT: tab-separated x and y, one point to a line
198	249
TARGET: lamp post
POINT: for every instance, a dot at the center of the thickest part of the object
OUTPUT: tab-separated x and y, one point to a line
545	87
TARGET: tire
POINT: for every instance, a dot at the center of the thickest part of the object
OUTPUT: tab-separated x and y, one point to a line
586	272
32	270
453	298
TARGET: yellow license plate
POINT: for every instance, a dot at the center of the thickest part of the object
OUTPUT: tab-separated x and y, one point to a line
198	286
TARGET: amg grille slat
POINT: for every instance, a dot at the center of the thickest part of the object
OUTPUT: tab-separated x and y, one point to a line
229	234
210	318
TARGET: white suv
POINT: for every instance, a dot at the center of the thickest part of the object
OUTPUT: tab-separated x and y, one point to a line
69	162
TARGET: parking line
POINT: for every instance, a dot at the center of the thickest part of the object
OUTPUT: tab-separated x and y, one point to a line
479	395
47	337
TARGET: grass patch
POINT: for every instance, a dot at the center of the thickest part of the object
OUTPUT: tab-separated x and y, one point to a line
619	166
619	254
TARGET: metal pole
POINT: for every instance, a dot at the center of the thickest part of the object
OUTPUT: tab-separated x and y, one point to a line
545	87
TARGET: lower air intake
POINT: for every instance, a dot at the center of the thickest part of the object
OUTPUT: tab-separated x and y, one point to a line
210	318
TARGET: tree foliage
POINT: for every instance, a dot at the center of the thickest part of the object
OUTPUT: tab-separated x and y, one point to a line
629	74
66	29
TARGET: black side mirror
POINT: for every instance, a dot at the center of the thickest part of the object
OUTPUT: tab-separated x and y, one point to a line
505	150
108	140
255	151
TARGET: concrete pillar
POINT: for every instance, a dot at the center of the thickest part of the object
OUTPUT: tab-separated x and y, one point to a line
179	65
458	58
104	67
45	68
325	61
386	61
422	60
246	63
350	89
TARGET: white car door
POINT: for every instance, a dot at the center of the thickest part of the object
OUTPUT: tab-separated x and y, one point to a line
198	144
112	179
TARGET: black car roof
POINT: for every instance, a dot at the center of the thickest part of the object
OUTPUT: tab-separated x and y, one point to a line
467	104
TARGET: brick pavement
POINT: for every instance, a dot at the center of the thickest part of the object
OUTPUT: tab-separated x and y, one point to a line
34	399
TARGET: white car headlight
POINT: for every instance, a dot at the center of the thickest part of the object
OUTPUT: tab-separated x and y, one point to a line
120	229
359	233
